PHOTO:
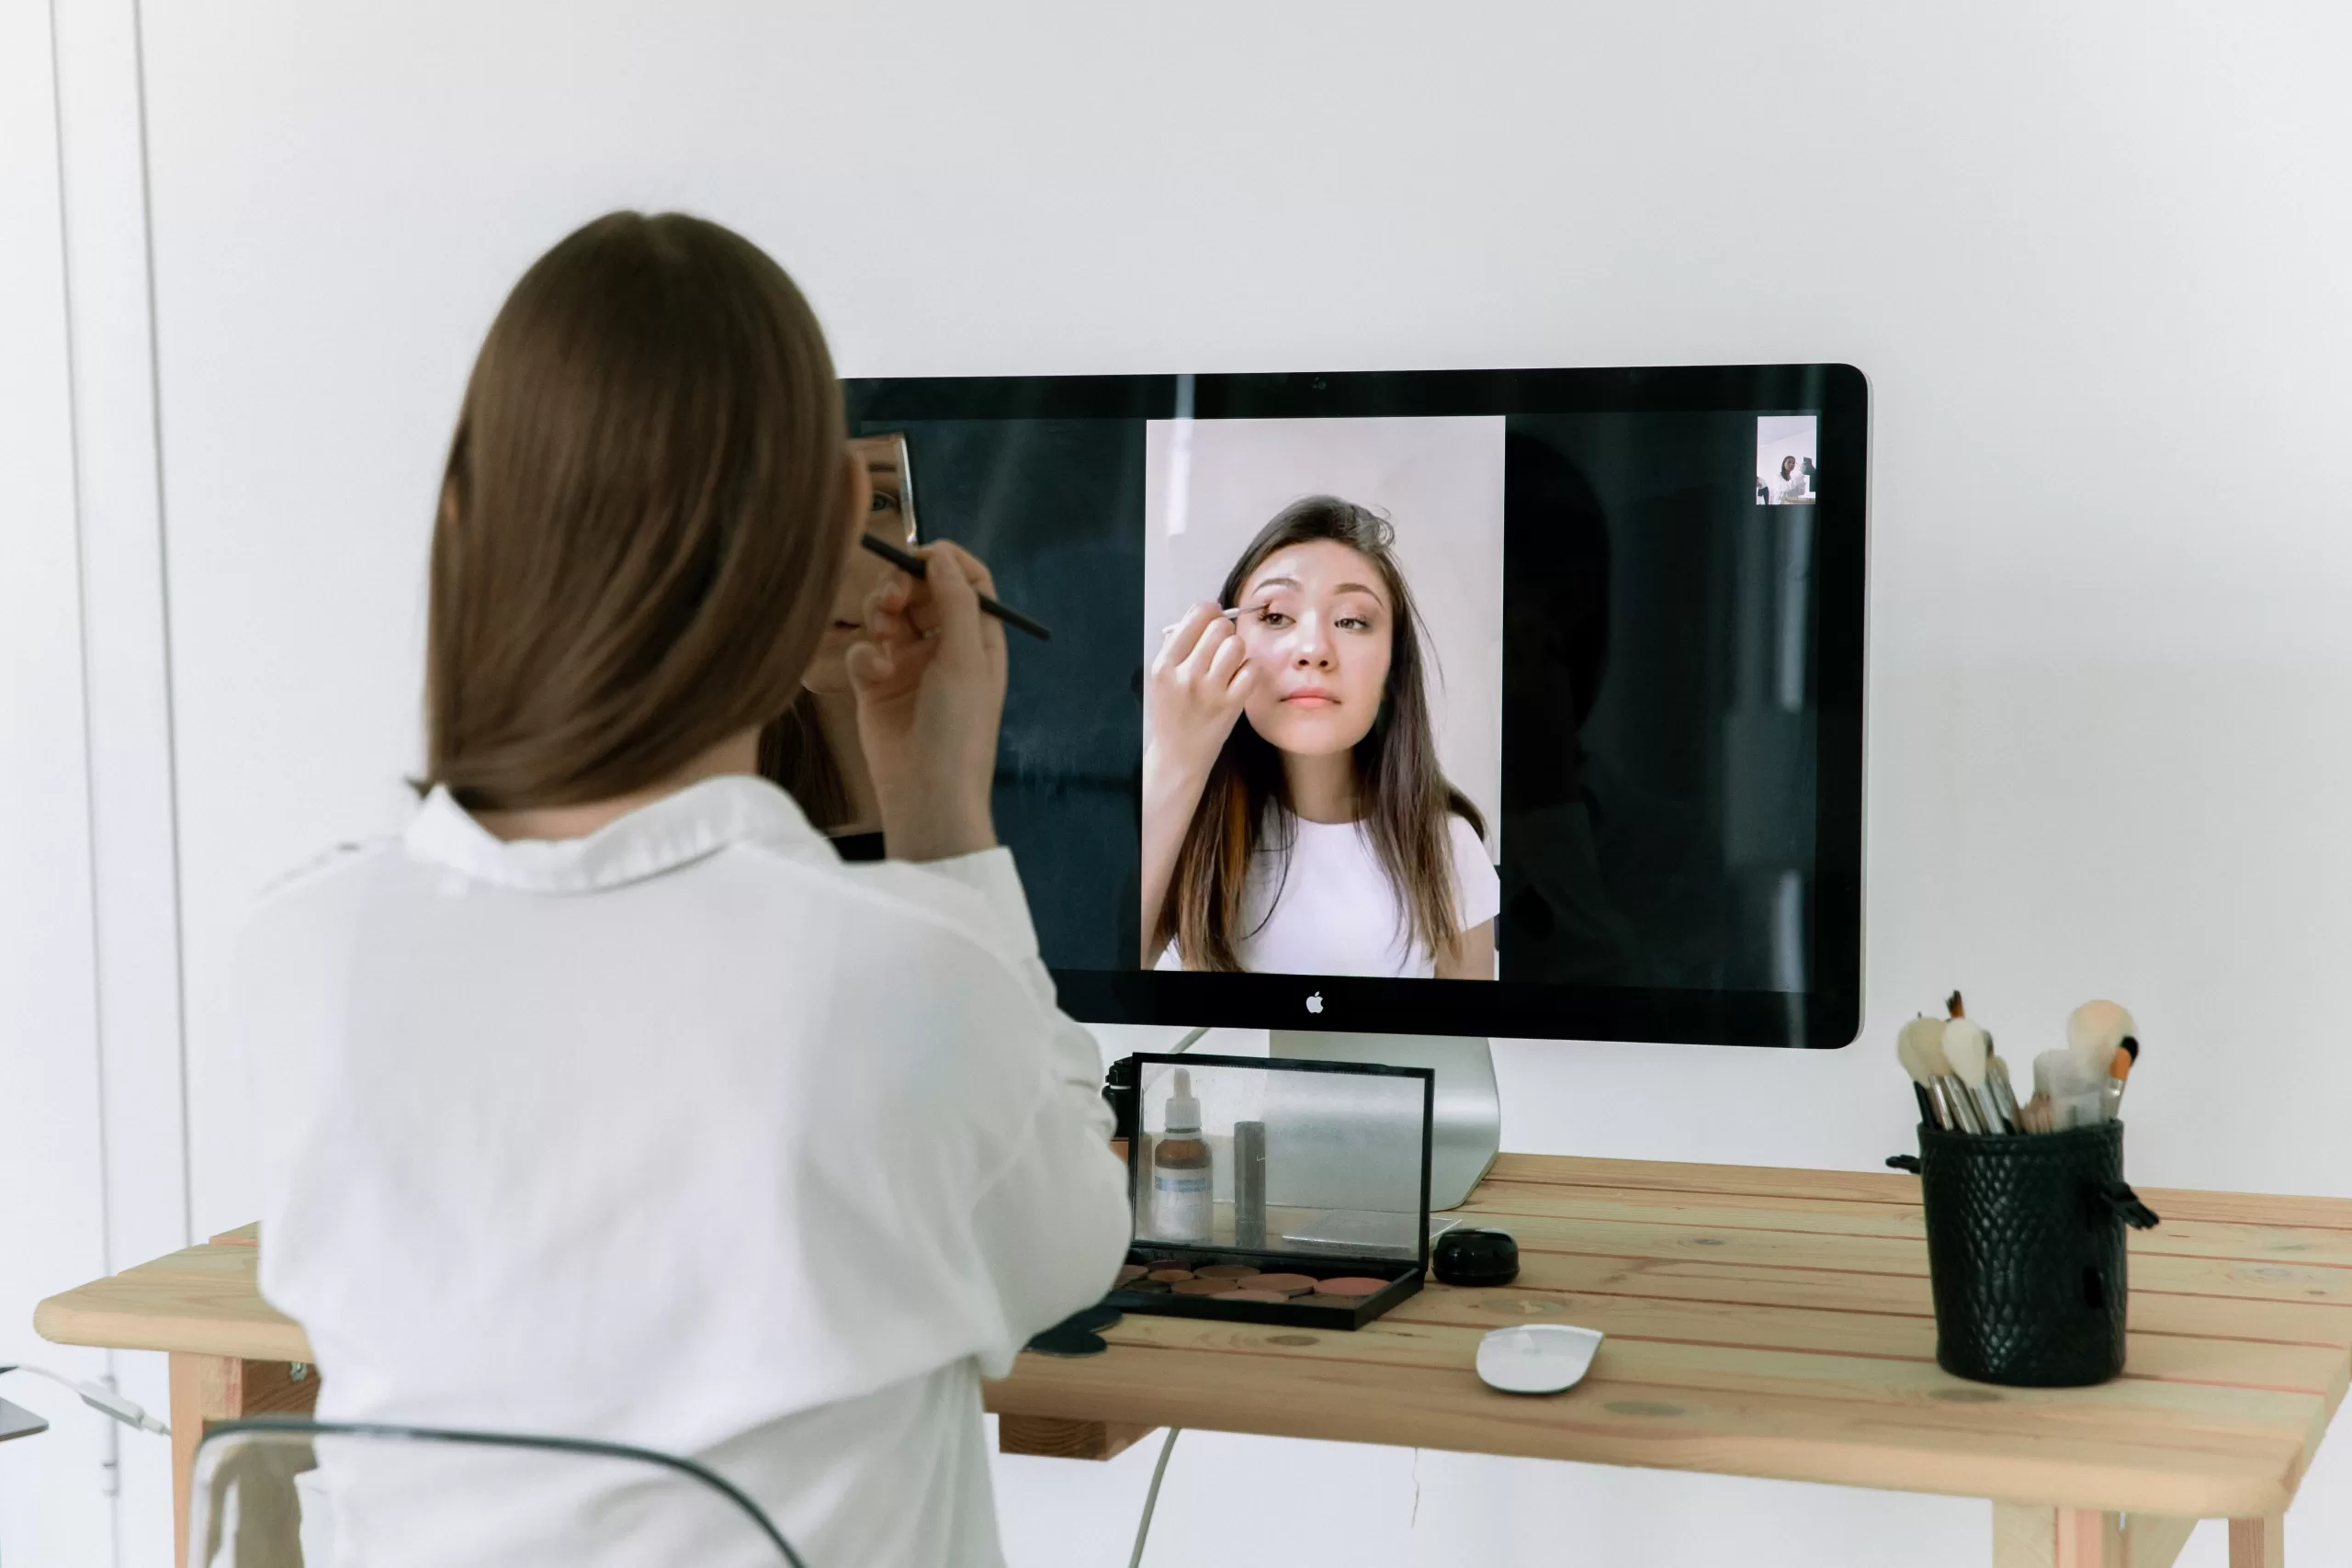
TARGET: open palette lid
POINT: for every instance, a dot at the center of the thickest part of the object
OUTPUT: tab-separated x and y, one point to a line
1309	1161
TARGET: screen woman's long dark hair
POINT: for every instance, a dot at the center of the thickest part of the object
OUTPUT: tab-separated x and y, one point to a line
1403	798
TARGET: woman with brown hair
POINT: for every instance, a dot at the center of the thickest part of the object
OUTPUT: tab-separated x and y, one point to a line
1320	836
606	1100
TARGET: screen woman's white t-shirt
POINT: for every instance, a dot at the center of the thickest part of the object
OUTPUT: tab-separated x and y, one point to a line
1333	910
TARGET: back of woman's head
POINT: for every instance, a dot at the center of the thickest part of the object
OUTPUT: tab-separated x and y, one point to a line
642	520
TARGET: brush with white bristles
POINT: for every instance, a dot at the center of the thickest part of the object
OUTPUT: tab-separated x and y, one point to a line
1969	1049
2105	1043
2095	1032
1996	1074
1965	1116
2006	1113
1910	1049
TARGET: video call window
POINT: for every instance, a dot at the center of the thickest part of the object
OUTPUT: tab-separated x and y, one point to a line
1785	452
1349	817
1536	696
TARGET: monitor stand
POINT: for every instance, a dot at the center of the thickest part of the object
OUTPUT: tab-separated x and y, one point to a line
1466	1129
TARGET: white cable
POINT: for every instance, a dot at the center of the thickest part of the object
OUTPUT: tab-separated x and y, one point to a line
1151	1499
100	1398
1189	1040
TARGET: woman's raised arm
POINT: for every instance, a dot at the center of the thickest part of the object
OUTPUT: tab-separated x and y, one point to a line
1192	693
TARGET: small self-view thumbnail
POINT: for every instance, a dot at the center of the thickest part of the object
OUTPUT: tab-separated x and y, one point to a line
1784	453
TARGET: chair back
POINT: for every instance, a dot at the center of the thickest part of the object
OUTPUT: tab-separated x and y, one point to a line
287	1493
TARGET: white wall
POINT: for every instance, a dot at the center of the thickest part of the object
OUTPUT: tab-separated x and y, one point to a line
52	1505
92	1139
2106	753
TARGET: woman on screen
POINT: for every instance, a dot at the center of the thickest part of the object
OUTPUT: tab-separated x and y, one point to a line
1320	837
1794	485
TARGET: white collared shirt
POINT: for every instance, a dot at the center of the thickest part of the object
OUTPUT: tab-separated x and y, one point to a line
685	1134
1319	901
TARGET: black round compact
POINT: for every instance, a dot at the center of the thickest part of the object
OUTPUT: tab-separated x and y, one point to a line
1474	1257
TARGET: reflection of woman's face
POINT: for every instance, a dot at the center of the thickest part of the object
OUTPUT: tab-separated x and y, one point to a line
885	519
1316	622
1788	466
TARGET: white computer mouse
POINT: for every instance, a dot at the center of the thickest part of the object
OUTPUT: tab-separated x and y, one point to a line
1536	1357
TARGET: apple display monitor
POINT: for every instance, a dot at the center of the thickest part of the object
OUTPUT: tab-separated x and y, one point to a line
1552	725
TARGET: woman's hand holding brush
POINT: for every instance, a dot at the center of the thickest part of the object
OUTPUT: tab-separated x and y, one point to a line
930	679
1193	692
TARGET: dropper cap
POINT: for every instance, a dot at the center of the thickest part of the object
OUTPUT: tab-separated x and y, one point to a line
1184	1111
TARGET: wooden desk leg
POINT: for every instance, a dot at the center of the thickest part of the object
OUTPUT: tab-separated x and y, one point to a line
2259	1543
221	1388
203	1388
1055	1438
2025	1536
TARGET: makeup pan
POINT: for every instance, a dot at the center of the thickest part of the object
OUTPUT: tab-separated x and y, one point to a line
1277	1192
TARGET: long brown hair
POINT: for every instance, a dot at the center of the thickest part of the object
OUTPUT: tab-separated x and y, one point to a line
1405	794
641	518
794	754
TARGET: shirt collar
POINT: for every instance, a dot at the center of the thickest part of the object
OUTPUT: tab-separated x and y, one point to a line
674	831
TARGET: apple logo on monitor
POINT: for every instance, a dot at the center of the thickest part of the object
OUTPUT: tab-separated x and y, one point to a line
1315	1001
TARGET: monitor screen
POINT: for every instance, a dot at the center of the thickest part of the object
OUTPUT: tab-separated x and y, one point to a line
1541	716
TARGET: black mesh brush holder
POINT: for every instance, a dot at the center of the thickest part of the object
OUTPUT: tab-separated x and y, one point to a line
2026	1254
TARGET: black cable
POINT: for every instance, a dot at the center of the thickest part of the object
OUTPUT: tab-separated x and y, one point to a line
520	1441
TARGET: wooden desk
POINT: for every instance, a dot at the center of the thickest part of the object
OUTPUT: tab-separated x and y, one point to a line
1760	1321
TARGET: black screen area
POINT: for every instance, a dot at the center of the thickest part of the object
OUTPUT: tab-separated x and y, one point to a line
1642	592
1659	786
1055	507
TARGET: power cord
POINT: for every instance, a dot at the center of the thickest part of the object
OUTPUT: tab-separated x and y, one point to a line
98	1397
1151	1499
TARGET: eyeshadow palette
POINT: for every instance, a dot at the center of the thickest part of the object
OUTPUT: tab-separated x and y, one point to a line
1271	1191
1336	1301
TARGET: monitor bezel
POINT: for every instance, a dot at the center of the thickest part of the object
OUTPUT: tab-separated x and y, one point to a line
1827	1015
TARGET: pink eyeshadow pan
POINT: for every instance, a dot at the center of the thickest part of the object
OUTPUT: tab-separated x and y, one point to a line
1355	1285
1286	1284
